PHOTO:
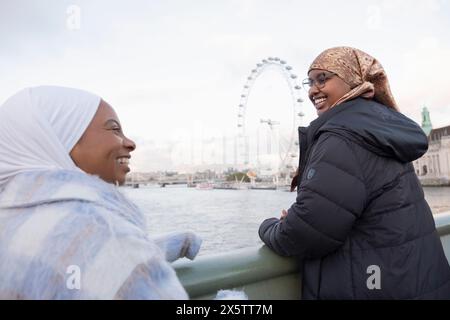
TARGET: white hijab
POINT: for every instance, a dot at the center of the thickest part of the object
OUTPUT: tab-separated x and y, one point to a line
39	126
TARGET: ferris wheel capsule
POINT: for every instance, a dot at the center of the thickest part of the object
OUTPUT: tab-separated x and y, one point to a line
288	68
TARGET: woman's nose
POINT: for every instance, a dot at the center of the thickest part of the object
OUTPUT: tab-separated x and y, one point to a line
129	144
312	92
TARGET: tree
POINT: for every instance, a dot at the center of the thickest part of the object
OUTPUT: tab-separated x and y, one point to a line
238	176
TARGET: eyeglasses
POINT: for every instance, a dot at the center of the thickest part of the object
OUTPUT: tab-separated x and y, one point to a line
319	82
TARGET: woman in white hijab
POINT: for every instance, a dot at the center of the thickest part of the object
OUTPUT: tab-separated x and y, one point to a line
66	232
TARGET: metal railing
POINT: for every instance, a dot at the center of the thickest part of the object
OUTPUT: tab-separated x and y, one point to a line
258	271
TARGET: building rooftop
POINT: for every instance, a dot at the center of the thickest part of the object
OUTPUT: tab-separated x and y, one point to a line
436	134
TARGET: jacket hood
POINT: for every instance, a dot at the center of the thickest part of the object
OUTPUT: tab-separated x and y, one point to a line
377	128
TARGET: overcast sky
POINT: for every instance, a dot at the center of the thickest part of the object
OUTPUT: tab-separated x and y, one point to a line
174	70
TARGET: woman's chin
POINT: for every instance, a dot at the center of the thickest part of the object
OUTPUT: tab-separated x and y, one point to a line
121	175
120	180
322	110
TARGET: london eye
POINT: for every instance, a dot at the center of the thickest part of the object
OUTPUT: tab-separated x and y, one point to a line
286	144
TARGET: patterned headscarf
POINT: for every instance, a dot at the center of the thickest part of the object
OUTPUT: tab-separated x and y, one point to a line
362	72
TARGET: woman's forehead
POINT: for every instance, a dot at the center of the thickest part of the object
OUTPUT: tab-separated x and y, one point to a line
105	112
316	72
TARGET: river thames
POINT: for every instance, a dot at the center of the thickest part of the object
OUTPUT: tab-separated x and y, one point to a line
227	219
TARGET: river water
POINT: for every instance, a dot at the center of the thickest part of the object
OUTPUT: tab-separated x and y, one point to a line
227	219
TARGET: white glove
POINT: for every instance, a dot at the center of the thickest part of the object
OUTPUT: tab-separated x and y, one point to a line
176	245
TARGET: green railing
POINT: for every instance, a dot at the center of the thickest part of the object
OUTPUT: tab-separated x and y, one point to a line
443	228
258	271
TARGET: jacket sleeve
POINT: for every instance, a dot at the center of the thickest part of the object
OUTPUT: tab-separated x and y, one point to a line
332	194
153	278
176	245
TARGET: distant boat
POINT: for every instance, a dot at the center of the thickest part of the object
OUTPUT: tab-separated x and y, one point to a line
204	186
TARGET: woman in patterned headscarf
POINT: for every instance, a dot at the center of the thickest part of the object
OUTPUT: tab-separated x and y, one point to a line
360	222
354	72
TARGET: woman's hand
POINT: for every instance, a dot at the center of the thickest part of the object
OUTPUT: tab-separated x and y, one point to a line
283	214
178	245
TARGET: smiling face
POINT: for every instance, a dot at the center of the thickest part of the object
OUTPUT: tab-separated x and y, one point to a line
103	149
333	89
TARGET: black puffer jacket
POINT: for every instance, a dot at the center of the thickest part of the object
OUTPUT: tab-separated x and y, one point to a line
360	221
